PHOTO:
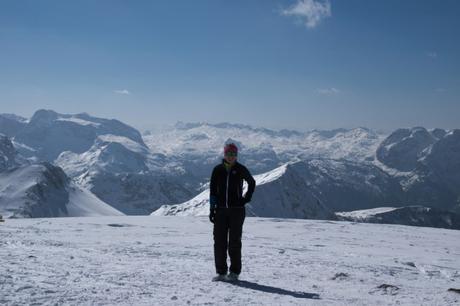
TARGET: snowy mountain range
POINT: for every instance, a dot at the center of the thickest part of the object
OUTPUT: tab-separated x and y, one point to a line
200	145
42	190
107	157
301	174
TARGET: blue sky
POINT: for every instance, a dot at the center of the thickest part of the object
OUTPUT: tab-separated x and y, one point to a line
278	64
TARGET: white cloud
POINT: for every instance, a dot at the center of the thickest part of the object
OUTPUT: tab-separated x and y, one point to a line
328	91
310	12
122	92
432	54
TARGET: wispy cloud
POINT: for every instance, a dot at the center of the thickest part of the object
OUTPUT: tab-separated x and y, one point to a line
122	92
431	54
328	91
440	89
310	12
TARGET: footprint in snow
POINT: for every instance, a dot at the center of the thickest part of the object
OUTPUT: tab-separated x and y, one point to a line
340	276
385	289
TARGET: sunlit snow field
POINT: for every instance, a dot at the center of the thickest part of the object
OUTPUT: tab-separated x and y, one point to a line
152	260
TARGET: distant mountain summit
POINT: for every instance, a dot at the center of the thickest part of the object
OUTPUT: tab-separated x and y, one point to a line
49	133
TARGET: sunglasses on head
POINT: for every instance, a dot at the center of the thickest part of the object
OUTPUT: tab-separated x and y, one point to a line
231	154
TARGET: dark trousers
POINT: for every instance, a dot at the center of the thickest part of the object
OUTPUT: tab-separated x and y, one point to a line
228	227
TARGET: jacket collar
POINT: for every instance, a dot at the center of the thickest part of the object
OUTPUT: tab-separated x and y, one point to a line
224	162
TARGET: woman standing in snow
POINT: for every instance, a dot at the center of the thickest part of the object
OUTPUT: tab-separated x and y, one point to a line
227	211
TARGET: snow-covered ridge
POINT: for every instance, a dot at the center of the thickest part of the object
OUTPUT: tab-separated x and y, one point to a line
111	153
124	141
83	203
279	193
227	125
43	190
270	176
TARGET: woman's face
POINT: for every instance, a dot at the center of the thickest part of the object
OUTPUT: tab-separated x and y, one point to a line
230	157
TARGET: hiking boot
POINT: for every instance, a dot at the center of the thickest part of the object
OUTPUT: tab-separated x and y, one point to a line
219	278
232	277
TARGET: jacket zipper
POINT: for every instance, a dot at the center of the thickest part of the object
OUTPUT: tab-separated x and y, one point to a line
226	196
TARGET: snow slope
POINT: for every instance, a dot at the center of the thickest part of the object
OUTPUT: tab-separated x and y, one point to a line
83	203
43	190
169	261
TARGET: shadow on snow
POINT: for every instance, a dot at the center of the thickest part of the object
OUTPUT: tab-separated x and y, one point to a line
270	289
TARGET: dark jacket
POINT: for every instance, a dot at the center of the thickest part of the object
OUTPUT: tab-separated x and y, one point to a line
227	187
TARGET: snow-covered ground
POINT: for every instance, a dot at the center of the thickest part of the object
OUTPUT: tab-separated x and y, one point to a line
152	260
